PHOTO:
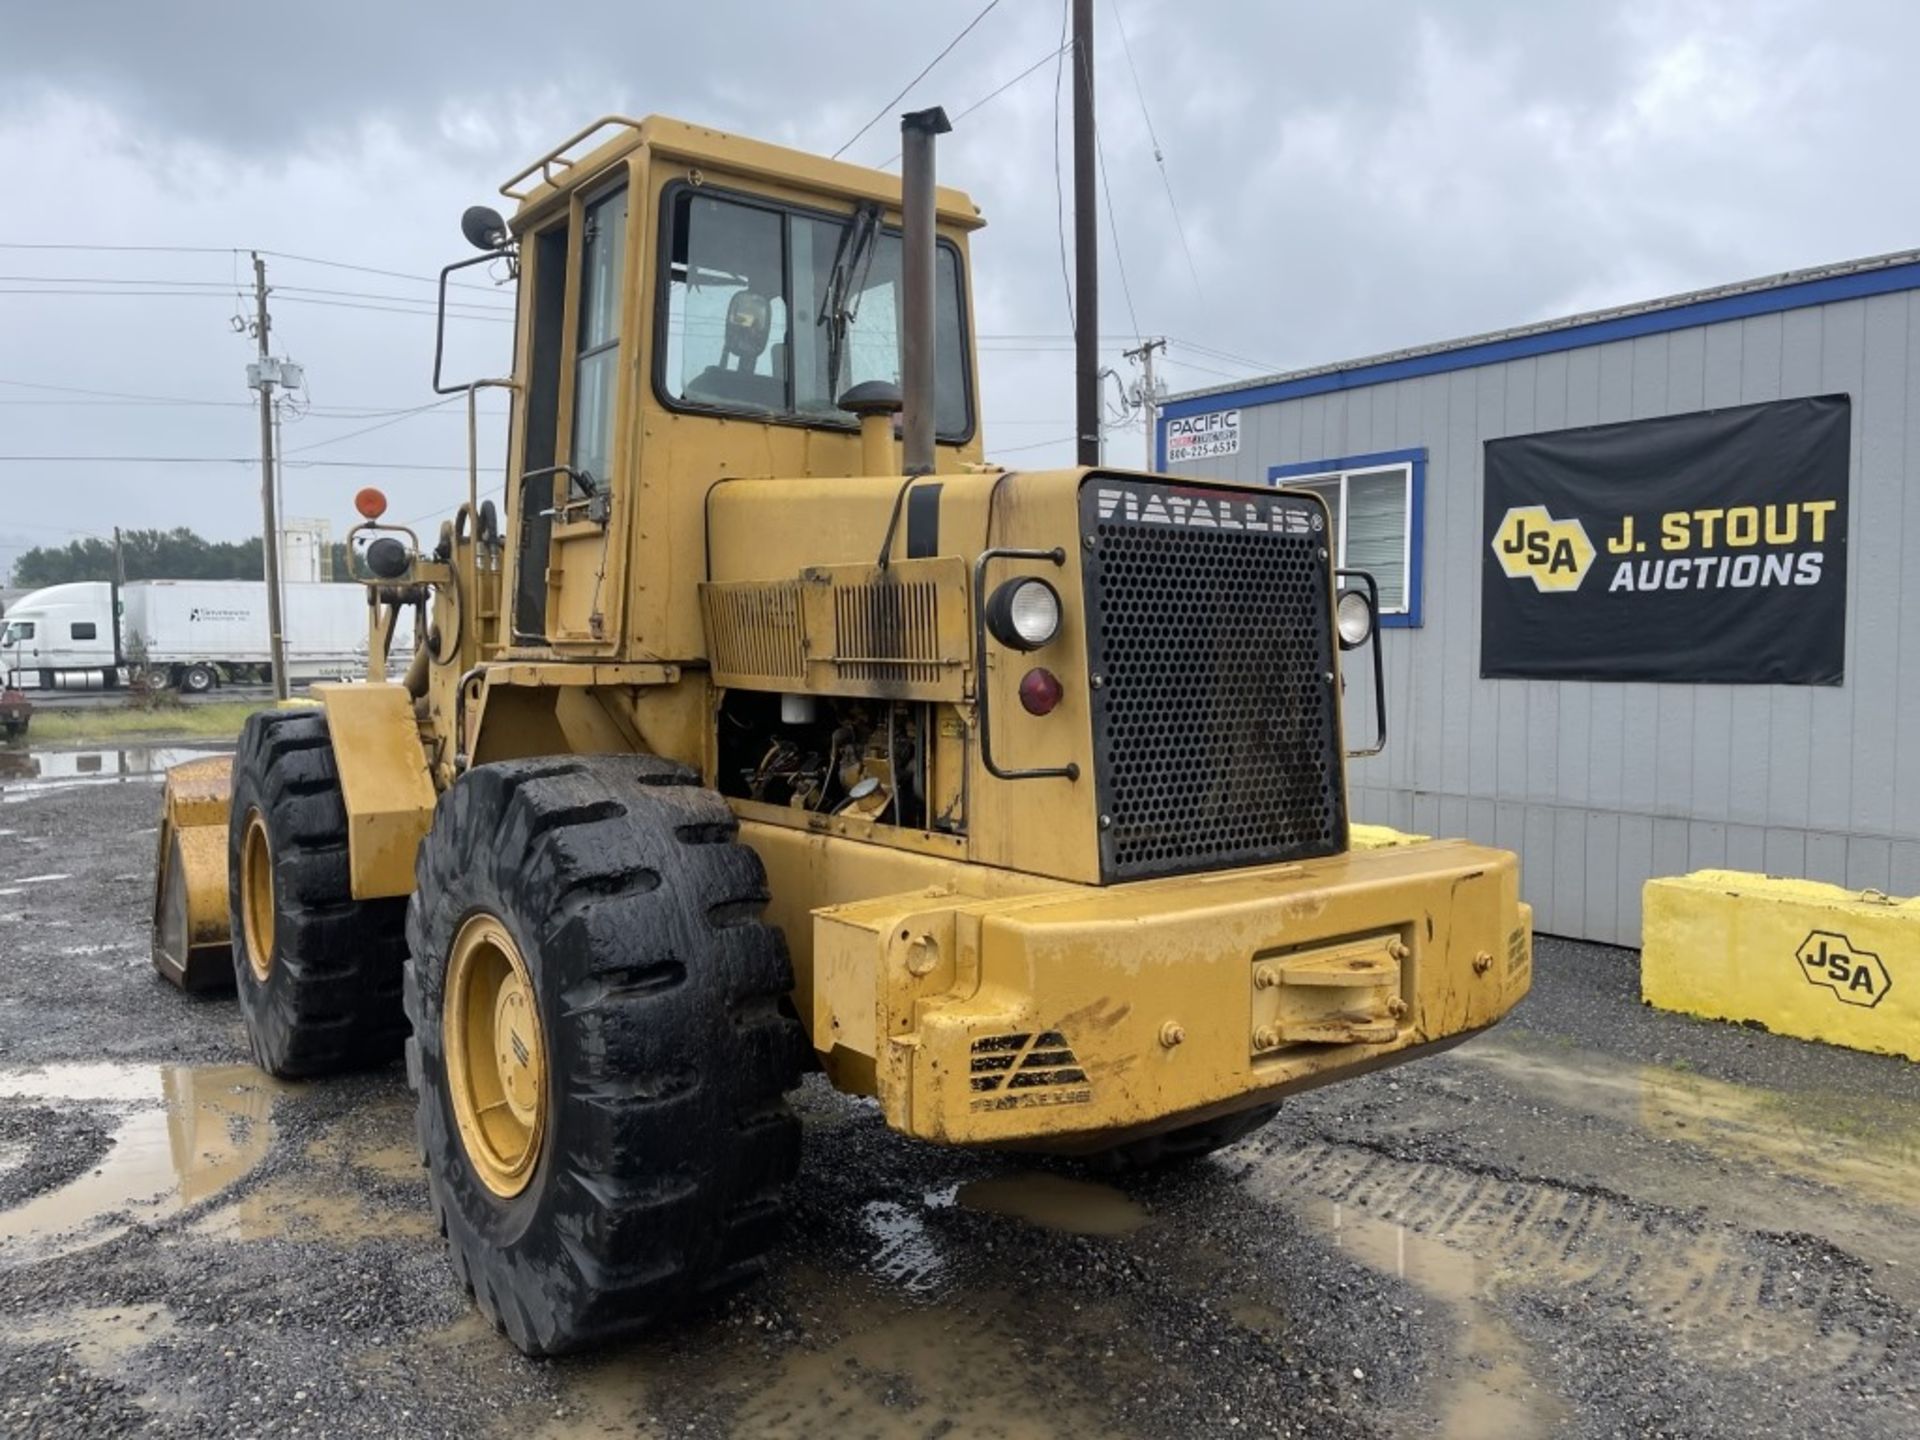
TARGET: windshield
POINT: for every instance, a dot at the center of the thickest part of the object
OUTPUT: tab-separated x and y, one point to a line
777	312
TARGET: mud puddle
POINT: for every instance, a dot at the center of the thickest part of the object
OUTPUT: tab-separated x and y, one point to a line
1749	1288
1490	1391
873	1368
1055	1202
1866	1146
26	773
181	1135
102	1338
913	1373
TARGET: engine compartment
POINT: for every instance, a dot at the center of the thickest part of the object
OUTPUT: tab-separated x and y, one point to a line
863	757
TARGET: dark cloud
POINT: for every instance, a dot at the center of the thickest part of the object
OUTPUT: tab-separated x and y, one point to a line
1351	177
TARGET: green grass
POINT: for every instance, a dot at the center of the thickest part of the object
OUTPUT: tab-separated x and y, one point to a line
220	719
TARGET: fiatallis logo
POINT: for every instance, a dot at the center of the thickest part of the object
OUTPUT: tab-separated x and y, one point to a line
1532	545
1199	511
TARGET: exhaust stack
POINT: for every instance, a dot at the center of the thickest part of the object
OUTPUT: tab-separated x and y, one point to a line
917	131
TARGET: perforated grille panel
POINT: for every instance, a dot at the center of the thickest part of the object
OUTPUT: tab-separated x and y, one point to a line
1210	629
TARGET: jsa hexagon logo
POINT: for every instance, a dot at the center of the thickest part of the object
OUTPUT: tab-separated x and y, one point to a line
1531	545
1857	976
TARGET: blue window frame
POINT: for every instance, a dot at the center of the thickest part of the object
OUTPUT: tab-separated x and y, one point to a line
1368	533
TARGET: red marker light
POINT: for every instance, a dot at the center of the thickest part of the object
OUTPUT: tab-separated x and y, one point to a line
370	503
1039	691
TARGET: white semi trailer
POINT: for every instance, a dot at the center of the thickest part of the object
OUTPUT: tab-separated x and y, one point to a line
194	633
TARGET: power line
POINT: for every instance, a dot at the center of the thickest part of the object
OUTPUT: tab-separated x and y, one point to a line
1264	366
235	250
1059	201
121	394
375	270
218	460
223	287
1031	445
318	412
382	425
882	112
1159	159
1113	223
456	309
1202	369
993	94
426	313
147	249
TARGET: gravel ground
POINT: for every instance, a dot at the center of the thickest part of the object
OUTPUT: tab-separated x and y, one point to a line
1598	1221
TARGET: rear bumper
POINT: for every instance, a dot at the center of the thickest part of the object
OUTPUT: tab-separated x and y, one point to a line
1081	1016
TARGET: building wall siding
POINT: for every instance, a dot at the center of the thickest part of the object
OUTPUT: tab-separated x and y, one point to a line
1599	786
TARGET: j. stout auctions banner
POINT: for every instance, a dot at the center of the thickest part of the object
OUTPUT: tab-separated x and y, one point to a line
1696	548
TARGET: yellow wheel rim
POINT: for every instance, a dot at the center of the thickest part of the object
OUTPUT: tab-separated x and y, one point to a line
256	895
496	1055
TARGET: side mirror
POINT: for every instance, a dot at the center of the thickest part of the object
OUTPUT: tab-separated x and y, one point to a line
484	228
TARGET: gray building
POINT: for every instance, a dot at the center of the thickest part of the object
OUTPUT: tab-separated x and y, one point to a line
1599	784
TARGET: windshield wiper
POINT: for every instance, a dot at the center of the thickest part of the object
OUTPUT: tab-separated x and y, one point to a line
852	258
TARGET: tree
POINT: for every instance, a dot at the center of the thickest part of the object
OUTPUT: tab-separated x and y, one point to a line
177	554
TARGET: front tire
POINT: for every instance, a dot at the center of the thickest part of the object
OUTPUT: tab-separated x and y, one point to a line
318	972
599	1050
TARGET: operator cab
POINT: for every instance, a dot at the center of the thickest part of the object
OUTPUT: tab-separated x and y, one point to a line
698	305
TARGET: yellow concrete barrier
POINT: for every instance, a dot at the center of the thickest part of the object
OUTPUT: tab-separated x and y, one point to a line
1797	956
1381	837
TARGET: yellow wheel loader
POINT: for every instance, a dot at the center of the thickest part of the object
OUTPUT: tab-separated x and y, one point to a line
765	726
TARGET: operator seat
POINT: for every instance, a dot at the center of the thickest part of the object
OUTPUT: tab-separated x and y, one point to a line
749	326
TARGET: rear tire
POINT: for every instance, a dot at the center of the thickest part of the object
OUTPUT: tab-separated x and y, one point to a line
318	972
197	679
646	1169
1178	1147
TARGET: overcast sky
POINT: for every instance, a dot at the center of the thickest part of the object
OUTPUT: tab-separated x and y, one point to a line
1350	177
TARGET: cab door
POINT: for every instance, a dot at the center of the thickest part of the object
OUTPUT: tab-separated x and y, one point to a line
570	579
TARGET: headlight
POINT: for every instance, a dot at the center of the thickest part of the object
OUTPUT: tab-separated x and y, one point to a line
1024	613
1353	617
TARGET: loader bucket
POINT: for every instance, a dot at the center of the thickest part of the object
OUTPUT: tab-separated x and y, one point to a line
191	944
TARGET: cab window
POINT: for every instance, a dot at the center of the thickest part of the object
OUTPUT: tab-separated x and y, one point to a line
19	630
776	312
603	246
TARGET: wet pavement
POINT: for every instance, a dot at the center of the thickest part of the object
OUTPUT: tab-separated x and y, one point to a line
1597	1221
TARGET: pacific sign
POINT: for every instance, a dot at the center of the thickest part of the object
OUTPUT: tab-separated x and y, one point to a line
1203	437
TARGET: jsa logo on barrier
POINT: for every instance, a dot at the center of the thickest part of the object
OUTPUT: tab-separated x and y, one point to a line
1857	976
1531	545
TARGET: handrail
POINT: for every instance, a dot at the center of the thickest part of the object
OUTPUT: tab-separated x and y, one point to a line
558	155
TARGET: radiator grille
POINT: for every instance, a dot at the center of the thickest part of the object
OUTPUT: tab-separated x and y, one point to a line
887	632
1215	730
756	630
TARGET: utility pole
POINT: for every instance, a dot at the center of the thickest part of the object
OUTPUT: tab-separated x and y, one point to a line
1086	241
266	372
1146	392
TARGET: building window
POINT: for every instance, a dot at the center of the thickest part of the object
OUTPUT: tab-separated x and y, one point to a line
1375	504
84	630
